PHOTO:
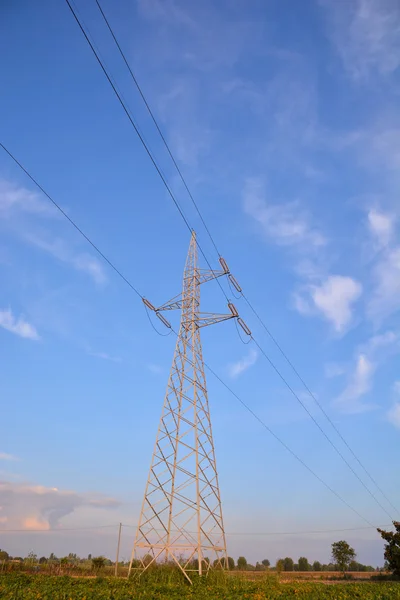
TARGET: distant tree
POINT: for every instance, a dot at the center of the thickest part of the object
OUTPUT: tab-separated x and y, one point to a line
241	563
317	566
296	567
98	562
4	555
266	563
89	557
52	557
280	565
392	548
42	560
231	563
259	567
342	554
31	559
288	564
304	565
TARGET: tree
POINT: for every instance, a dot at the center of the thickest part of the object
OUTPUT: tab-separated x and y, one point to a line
266	563
42	560
288	564
241	563
231	563
317	566
280	565
303	564
392	548
342	554
31	559
3	555
98	562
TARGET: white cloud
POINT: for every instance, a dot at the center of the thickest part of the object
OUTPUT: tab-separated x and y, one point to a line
38	507
14	199
156	369
381	226
334	370
17	326
282	223
105	356
243	364
394	415
369	356
385	299
59	249
5	456
359	385
366	35
21	210
333	299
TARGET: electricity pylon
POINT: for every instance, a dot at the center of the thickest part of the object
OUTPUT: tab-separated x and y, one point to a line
181	516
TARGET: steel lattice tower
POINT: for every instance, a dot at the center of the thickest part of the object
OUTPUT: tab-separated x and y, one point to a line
181	516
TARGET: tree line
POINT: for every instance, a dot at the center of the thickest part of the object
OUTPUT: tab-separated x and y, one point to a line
343	559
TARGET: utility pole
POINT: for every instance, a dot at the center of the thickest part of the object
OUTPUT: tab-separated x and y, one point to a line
181	517
118	546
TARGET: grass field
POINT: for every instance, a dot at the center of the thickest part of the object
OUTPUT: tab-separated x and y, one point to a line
45	587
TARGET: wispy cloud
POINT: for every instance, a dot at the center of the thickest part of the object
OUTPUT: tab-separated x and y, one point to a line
14	199
38	507
366	35
360	381
5	456
385	297
59	249
285	224
105	356
334	370
333	299
393	414
22	210
381	226
360	384
18	326
243	364
156	369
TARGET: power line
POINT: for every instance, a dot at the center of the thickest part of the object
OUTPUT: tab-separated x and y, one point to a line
96	248
319	427
132	287
290	363
231	533
141	138
156	124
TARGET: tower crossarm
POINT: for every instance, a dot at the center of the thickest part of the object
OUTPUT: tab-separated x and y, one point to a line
205	319
204	275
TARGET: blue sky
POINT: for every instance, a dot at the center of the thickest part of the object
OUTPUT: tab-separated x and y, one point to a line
284	119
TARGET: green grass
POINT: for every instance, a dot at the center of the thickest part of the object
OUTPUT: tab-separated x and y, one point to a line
15	586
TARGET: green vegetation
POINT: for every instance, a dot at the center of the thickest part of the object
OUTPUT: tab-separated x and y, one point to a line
392	548
163	586
343	554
